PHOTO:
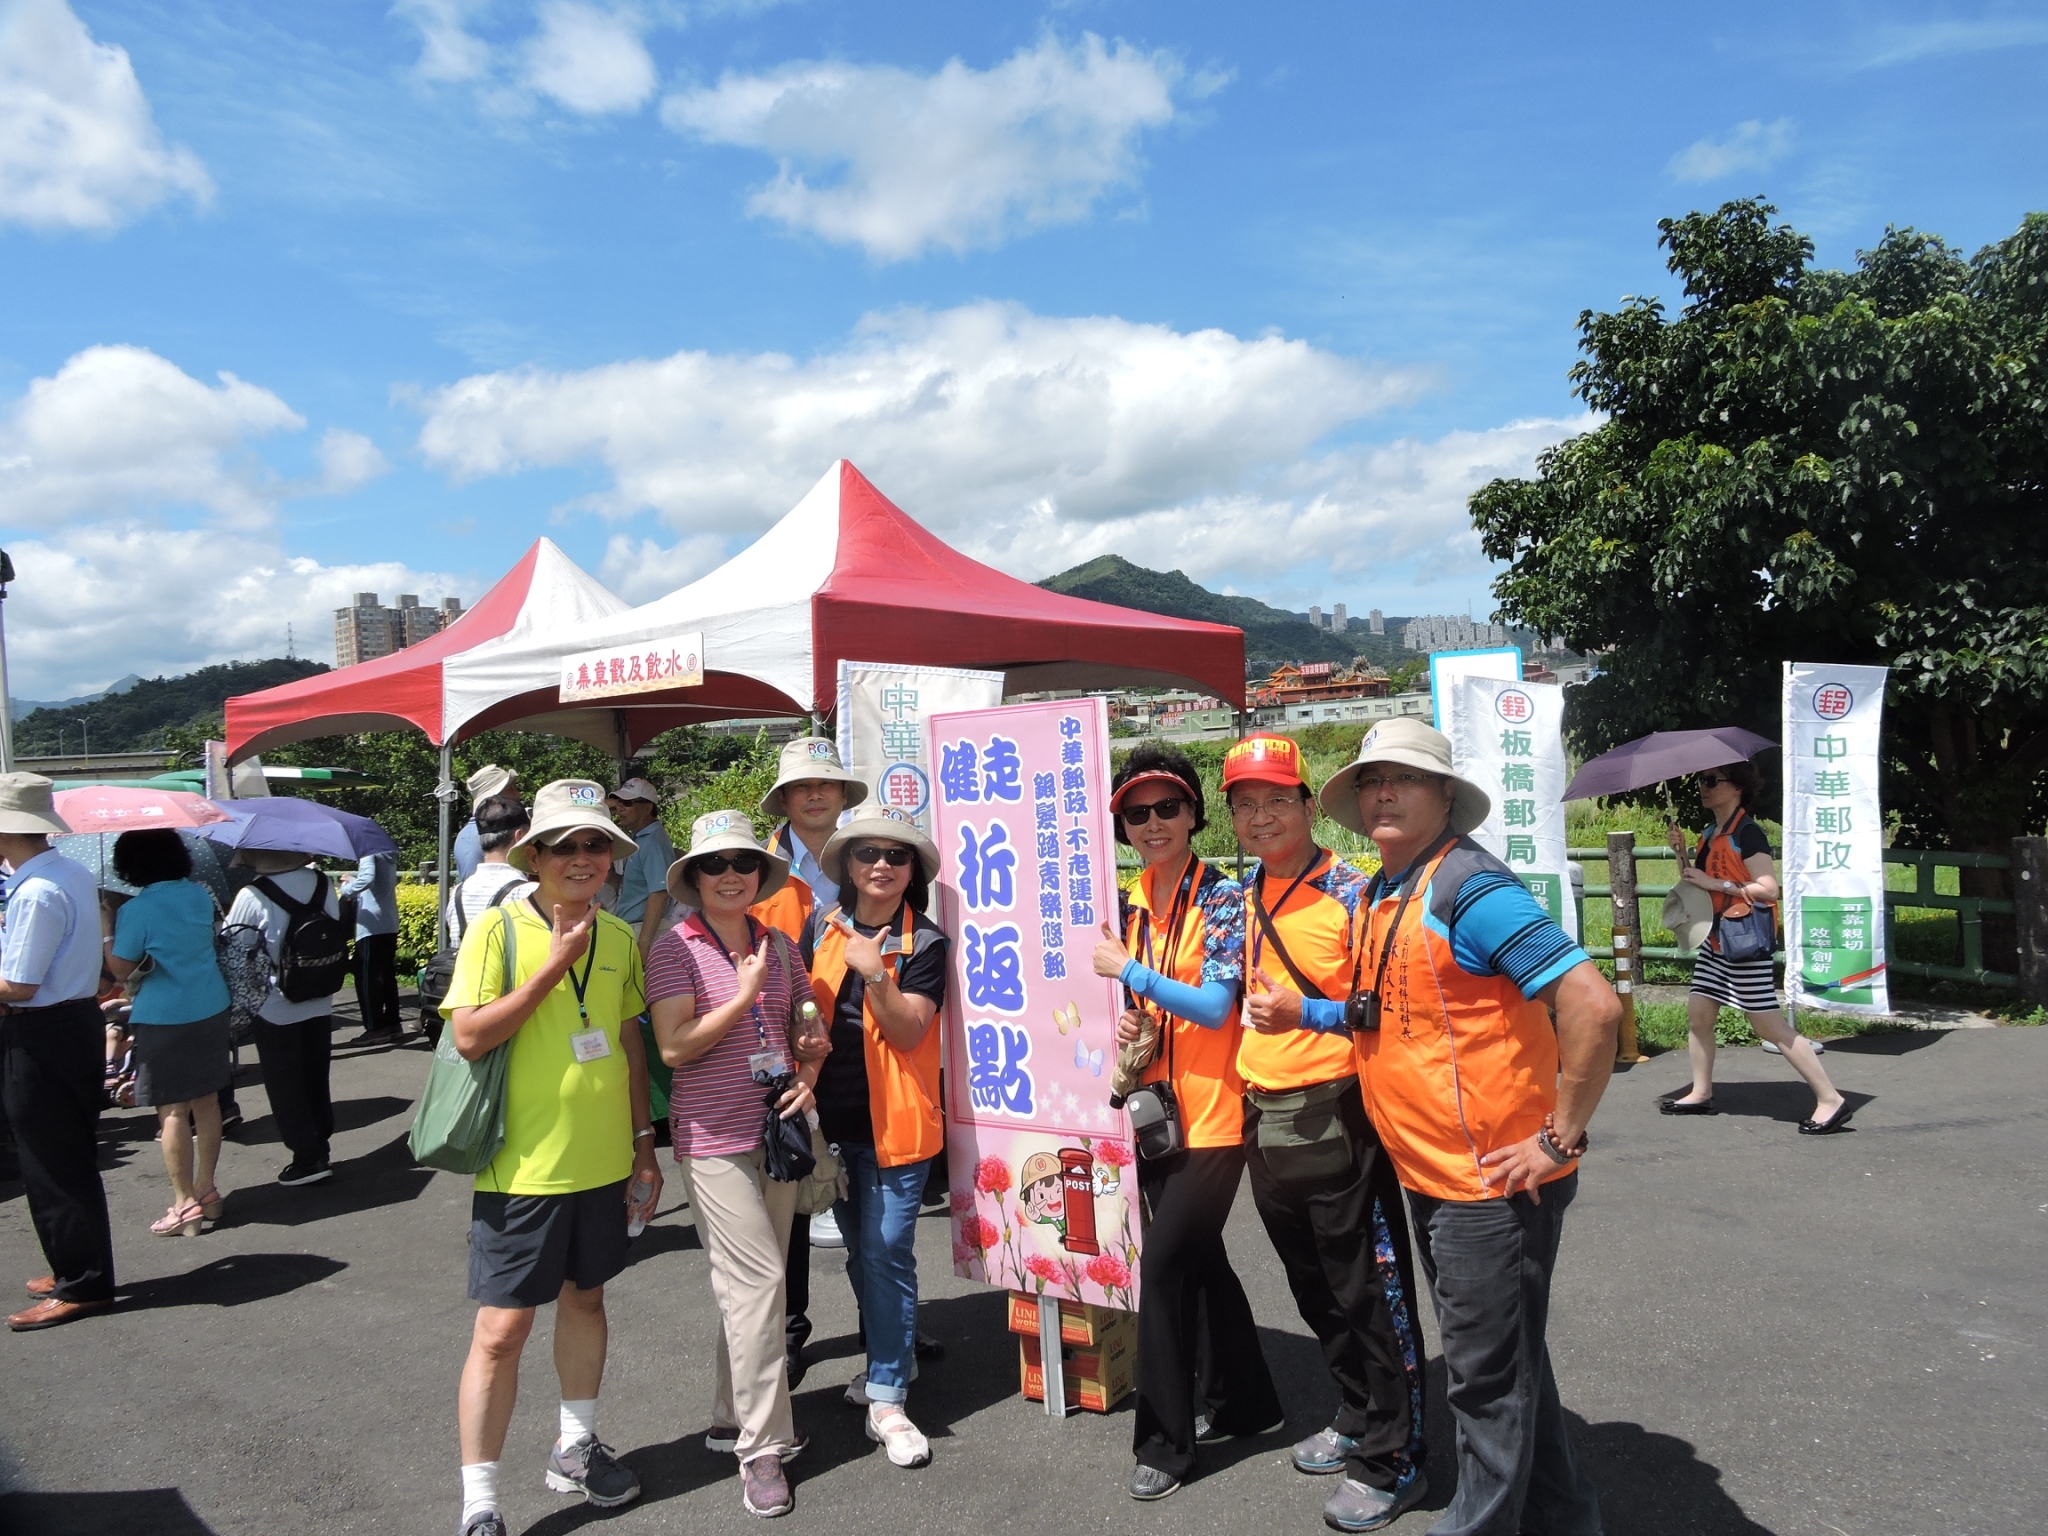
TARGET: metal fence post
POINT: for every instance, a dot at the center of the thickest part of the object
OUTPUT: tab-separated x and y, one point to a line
2030	915
1628	935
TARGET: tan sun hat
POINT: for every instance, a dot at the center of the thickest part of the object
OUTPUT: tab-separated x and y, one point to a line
567	805
490	780
810	757
26	807
1039	1165
725	832
877	823
1409	744
1689	914
272	861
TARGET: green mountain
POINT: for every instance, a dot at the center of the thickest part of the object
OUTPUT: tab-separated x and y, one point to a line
1271	635
134	719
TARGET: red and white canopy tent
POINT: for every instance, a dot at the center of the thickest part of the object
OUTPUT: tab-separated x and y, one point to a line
846	575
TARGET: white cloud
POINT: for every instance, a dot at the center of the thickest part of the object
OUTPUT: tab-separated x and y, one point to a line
448	49
119	428
956	159
91	603
589	59
1751	146
348	461
1909	44
966	414
1032	443
78	147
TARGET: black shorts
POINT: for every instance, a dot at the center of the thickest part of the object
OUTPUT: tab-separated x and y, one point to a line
522	1248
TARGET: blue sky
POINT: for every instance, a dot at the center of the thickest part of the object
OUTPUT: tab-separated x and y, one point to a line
310	299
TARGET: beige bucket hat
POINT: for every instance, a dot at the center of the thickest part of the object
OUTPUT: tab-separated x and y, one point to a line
1410	744
26	807
877	823
1689	914
568	805
490	780
272	861
810	757
725	832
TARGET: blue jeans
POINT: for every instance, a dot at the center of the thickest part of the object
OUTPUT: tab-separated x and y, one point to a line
878	1219
1488	1263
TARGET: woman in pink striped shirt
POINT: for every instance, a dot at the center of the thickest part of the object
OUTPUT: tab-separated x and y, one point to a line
723	990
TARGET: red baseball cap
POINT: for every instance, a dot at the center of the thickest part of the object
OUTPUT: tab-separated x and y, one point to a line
1263	760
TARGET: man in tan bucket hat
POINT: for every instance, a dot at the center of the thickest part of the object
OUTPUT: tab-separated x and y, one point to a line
51	1054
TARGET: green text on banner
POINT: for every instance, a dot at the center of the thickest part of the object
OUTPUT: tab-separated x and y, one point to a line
1834	839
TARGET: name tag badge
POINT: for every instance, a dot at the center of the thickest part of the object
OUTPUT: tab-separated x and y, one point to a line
591	1045
768	1063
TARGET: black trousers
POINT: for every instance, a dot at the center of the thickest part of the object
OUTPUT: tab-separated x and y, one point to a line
376	968
295	1061
1342	1237
52	1075
1198	1347
796	1305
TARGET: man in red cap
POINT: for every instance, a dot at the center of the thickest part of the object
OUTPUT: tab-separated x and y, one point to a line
1320	1179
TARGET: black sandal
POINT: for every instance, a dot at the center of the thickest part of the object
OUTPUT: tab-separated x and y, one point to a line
1674	1107
1828	1127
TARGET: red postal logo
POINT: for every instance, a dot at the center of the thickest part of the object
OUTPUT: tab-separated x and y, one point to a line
1514	706
1832	701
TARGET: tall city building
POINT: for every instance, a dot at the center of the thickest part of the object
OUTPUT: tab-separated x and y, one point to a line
1440	632
369	630
1338	620
1315	616
1375	623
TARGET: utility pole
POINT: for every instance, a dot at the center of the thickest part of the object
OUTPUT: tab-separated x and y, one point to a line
6	698
289	653
84	739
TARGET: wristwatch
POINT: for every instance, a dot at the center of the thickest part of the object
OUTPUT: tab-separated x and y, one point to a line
1729	886
878	978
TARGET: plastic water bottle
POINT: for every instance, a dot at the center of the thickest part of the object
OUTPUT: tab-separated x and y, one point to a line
807	1018
636	1196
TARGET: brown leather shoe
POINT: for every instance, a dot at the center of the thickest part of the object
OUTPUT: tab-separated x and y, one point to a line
43	1285
52	1313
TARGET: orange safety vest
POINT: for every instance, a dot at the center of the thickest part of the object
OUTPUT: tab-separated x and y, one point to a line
1724	863
1461	1065
1317	930
903	1086
1204	1061
788	909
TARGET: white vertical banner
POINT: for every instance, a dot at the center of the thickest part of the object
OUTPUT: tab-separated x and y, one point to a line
882	710
1508	738
1448	668
1834	839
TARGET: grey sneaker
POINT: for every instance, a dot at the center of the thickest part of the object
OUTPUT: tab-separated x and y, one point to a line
763	1488
1323	1452
1149	1483
1357	1507
489	1523
1206	1432
588	1467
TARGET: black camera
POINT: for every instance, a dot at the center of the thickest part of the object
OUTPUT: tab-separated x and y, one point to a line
1362	1012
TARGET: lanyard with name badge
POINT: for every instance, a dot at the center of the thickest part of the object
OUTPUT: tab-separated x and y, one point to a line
763	1064
588	1043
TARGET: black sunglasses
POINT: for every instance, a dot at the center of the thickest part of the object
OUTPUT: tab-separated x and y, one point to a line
1709	780
895	855
567	848
739	863
1168	809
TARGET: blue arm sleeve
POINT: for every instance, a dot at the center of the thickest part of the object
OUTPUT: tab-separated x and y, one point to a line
1324	1015
1208	1005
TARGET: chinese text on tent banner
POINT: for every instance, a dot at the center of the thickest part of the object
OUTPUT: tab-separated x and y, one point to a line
1834	839
1508	739
1044	1191
882	710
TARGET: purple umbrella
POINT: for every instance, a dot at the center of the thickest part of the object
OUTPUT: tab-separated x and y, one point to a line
1663	755
299	826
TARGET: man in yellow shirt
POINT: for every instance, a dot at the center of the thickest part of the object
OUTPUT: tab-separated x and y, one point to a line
548	1218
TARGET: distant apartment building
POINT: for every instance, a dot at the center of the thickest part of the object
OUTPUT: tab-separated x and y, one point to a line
1438	632
369	630
1315	617
1375	623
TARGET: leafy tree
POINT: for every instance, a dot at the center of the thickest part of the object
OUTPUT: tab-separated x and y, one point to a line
1818	466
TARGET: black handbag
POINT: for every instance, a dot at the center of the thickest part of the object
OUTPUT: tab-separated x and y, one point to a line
786	1141
1155	1120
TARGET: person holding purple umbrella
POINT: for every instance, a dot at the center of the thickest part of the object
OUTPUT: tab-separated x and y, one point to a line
1733	865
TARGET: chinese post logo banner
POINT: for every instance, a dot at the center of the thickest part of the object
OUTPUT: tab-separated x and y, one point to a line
1508	738
1044	1194
1834	839
641	666
882	709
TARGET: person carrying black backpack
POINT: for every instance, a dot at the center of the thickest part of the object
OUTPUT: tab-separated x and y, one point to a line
291	913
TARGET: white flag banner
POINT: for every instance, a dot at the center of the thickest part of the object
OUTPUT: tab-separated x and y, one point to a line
1508	738
1449	668
1834	839
882	709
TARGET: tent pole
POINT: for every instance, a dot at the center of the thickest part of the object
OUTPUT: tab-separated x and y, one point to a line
444	793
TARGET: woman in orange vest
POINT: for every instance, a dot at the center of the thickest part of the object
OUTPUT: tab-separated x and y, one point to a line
878	967
1734	865
1181	961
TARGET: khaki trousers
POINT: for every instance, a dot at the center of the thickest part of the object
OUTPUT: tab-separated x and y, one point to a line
743	1220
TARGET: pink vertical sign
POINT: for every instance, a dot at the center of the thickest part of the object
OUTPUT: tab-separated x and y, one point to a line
1044	1194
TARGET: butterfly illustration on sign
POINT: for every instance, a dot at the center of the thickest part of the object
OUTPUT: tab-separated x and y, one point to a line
1068	1017
1087	1060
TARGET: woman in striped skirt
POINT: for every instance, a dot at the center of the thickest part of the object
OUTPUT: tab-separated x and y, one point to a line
1733	864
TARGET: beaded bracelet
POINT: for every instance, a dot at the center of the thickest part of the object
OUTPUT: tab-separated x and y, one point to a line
1555	1150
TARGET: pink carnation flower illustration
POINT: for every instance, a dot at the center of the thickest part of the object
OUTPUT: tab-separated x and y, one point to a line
1109	1271
963	1202
1114	1153
991	1175
1044	1268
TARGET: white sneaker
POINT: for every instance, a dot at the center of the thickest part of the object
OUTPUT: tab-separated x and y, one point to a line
1819	1047
825	1231
890	1428
857	1389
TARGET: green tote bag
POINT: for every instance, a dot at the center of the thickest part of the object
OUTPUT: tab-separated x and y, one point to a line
460	1123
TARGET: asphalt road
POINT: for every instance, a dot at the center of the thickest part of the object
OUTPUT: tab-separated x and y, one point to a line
1754	1331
